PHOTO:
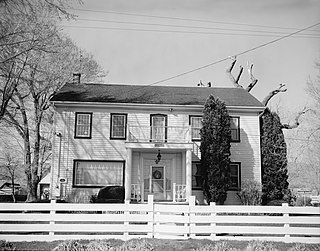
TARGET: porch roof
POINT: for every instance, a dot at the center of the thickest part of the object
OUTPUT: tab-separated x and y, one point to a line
144	94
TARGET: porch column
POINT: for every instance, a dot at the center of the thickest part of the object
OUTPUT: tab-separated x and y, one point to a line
188	174
127	175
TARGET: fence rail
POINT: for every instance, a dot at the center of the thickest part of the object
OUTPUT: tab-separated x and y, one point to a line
55	221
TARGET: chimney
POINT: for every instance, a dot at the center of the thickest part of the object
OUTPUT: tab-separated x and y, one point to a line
76	78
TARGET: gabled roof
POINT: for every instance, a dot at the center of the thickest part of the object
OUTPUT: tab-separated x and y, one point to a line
141	94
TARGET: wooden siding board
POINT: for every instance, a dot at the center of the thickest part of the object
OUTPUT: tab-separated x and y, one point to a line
100	147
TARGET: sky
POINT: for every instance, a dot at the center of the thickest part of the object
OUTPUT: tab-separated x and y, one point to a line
145	42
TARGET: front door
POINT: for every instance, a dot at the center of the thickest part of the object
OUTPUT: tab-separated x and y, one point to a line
157	181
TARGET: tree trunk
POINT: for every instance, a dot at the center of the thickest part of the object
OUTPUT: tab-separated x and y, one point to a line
13	190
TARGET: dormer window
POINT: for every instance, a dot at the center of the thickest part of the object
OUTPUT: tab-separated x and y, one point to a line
118	126
83	125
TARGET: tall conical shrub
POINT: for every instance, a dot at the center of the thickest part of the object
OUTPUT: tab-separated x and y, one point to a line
274	158
215	150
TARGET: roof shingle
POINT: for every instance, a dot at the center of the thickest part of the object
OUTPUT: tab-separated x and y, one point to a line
141	94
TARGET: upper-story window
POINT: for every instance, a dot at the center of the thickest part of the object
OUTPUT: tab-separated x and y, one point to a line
83	125
235	129
158	124
118	126
235	175
196	124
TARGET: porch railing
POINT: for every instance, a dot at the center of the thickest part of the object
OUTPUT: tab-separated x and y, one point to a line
179	193
136	192
169	134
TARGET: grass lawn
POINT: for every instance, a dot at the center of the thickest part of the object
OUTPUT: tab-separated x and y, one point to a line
164	245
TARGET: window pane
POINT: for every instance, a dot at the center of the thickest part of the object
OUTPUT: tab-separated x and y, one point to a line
118	126
91	173
196	176
234	175
234	126
158	128
196	125
83	125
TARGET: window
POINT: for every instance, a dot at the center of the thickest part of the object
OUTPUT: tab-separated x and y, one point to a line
235	173
83	125
158	123
235	129
196	124
118	126
196	176
98	173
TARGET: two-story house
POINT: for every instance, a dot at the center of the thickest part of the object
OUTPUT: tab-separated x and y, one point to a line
146	138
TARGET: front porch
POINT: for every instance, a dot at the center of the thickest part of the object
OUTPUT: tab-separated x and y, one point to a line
162	170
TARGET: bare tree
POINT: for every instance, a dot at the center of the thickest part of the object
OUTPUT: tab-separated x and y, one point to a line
10	170
21	26
29	110
269	96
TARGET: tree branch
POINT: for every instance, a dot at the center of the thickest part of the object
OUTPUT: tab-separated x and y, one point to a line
296	120
253	79
235	81
273	93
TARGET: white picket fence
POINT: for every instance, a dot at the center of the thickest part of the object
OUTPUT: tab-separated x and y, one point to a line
57	221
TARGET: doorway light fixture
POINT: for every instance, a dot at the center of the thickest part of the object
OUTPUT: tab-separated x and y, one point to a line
158	157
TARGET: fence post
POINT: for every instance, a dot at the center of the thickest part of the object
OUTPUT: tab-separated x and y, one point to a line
151	211
213	220
174	192
286	226
126	220
52	216
192	213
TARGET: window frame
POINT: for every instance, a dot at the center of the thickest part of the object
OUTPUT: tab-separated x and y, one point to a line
190	119
165	116
74	185
237	140
238	164
195	163
76	125
125	126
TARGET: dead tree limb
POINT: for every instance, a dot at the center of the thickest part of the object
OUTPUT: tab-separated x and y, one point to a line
235	81
296	120
273	93
253	79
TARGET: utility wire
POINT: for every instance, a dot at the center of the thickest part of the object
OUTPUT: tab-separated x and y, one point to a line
182	32
235	55
188	26
186	19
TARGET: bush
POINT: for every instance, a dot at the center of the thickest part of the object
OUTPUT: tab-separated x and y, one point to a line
303	202
304	247
6	246
99	245
136	245
79	196
70	245
111	194
250	193
260	246
276	202
218	246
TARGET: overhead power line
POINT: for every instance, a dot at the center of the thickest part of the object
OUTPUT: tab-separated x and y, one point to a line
251	32
187	19
181	31
235	55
